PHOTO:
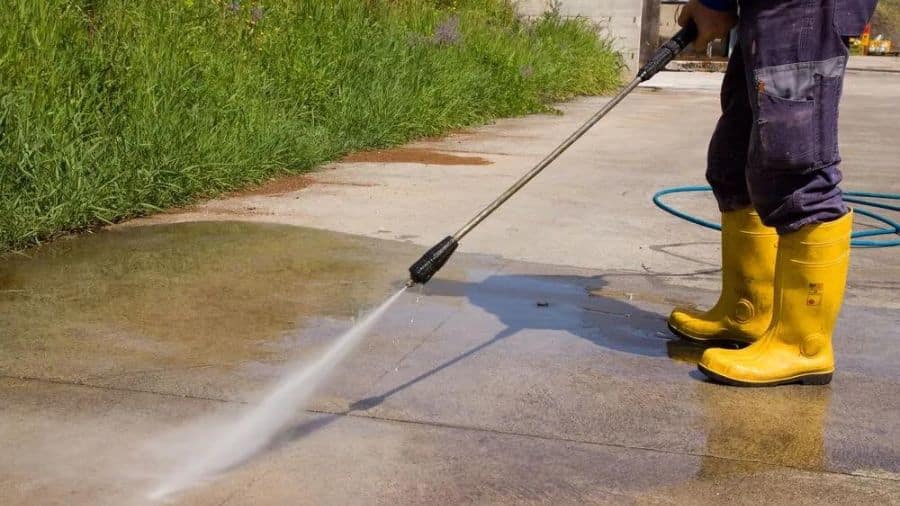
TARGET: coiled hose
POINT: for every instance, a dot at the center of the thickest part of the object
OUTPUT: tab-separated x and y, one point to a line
859	238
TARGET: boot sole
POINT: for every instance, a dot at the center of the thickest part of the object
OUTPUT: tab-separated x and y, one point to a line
806	379
713	343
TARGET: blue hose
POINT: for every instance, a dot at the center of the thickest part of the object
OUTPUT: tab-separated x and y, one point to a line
858	198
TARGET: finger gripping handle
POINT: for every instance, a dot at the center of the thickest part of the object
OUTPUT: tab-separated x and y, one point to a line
668	51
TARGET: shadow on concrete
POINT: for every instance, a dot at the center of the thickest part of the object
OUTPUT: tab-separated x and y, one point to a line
525	302
763	420
522	302
540	302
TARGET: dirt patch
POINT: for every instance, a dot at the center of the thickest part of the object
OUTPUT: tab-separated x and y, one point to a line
414	155
277	186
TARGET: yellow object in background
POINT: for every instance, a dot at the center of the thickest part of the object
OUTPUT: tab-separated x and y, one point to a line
864	39
879	45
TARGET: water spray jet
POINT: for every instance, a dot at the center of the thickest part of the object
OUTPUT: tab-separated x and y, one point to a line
258	426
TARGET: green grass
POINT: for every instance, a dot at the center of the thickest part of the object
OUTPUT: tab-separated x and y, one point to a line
115	108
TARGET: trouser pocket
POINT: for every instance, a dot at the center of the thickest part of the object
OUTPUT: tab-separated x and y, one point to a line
787	133
796	115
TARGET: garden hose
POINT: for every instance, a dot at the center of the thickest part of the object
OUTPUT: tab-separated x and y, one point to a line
858	198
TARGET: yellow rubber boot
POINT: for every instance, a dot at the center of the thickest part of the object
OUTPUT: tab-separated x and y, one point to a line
744	308
810	276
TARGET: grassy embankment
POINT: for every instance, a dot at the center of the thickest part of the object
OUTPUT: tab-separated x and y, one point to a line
115	108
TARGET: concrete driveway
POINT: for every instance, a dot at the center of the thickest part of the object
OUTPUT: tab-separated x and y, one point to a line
534	369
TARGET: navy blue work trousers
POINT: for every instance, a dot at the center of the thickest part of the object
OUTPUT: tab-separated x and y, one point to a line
775	146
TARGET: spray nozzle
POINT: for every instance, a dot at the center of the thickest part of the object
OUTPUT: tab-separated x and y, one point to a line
432	261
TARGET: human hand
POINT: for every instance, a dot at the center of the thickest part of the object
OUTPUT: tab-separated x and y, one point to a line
711	24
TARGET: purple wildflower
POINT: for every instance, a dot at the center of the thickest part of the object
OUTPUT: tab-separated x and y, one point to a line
256	14
447	33
234	6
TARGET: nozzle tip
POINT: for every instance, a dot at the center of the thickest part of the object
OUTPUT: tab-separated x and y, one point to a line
432	260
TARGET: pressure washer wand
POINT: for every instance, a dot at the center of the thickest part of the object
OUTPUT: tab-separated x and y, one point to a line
437	256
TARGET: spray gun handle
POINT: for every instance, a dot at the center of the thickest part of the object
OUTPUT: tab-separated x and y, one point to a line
668	51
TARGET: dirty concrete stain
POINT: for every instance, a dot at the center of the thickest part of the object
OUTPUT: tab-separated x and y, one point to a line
180	295
347	183
278	185
414	155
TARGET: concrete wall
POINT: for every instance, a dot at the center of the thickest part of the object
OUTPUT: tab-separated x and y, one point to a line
668	19
632	24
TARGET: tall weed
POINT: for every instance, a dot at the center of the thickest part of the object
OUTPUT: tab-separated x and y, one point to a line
115	108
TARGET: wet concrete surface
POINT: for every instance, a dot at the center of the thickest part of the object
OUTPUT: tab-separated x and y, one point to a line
180	296
353	460
501	381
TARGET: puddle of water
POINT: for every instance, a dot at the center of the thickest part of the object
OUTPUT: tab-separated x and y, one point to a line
623	295
783	426
183	295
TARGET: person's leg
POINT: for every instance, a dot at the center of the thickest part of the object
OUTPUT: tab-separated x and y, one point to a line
795	61
744	308
726	158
